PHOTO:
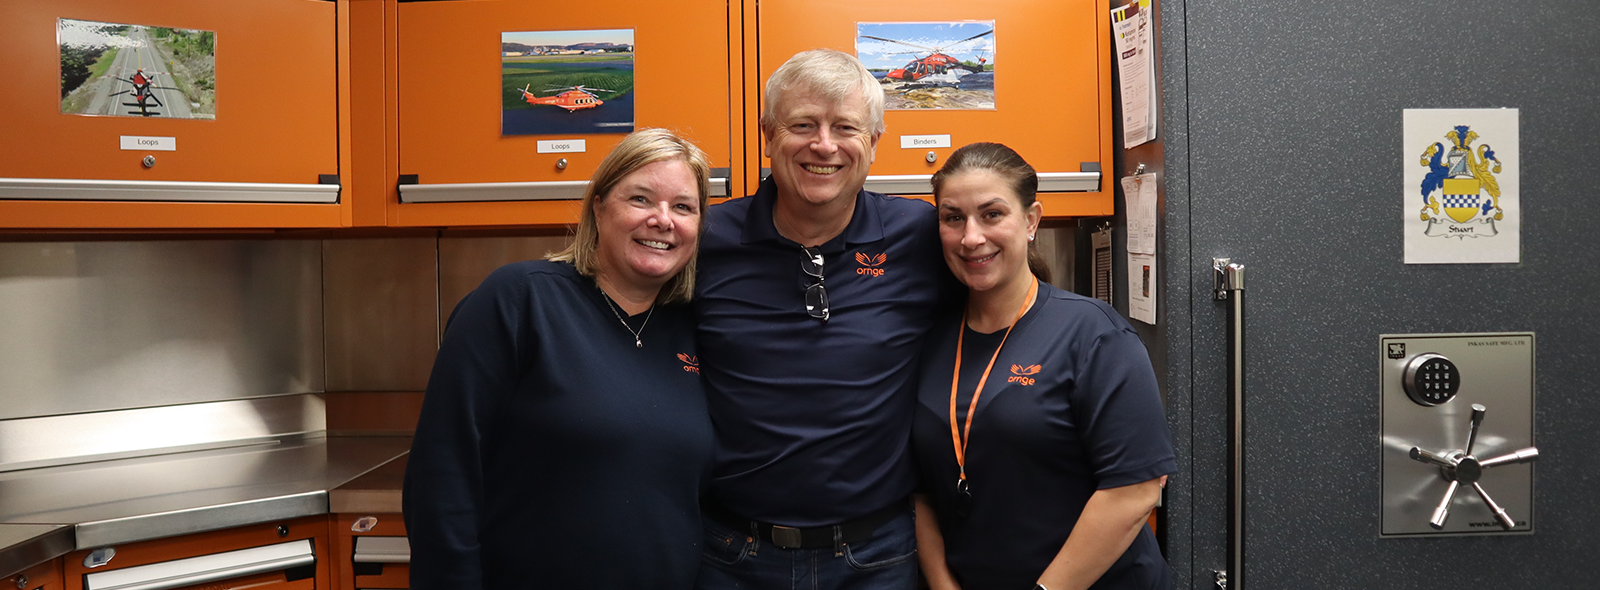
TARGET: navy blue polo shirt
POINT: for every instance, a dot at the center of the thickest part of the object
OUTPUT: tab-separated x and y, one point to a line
1070	407
813	419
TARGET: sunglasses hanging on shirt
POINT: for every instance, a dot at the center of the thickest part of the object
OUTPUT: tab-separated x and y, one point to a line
816	294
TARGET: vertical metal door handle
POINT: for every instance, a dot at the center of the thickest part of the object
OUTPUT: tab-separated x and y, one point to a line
1228	282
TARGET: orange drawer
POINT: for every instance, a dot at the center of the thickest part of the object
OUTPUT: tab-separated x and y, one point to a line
310	530
347	528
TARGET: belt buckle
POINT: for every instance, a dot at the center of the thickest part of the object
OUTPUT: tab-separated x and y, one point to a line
786	537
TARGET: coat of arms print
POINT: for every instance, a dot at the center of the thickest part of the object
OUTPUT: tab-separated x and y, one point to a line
1461	180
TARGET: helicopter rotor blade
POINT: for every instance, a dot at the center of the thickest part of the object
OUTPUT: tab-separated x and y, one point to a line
902	42
988	32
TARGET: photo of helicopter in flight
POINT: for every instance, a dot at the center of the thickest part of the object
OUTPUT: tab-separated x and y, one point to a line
935	68
144	98
951	64
571	98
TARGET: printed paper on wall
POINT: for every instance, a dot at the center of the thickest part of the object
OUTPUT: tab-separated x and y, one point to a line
566	82
123	70
934	65
1461	194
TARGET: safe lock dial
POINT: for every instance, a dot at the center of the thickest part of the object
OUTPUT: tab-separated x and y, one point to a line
1430	379
1460	467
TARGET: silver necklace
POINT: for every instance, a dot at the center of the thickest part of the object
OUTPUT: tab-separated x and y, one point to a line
637	342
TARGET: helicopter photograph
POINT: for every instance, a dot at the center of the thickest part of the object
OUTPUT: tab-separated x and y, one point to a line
566	82
136	70
931	65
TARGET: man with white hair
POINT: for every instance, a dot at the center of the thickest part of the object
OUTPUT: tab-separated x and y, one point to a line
812	299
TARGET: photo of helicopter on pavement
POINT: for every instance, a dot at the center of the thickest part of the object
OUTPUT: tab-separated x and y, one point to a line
933	65
566	82
136	70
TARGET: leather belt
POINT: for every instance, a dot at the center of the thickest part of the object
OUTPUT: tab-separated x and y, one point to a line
821	537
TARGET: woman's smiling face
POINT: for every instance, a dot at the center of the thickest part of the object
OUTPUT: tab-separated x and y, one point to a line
984	229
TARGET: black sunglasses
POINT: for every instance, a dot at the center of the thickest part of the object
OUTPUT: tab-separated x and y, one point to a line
816	295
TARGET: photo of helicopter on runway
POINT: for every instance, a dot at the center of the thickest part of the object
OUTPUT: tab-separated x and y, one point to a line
566	82
933	65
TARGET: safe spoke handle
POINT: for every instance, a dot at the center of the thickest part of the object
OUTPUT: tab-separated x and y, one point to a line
1443	511
1461	467
1426	456
1499	513
1527	455
1472	432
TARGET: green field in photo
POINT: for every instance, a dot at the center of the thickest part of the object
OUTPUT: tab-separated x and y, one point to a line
516	75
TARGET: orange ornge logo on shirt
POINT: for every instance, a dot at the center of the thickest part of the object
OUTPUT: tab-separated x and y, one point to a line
869	262
1019	374
690	364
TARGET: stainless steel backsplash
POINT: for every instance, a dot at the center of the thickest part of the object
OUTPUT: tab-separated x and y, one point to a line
95	326
102	326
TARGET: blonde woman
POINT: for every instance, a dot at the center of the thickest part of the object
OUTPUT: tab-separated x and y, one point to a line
564	435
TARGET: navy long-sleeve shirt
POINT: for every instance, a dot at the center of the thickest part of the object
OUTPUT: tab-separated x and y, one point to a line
553	453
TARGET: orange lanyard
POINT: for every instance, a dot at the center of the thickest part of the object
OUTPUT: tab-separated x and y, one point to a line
960	438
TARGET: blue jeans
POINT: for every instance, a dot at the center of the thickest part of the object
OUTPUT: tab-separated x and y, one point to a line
733	559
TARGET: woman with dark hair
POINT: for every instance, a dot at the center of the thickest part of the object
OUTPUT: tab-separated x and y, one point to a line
564	436
1039	429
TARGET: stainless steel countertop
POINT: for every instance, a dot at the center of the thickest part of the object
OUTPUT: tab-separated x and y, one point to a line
25	545
377	492
129	500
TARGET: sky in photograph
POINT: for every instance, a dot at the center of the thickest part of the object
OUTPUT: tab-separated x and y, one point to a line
84	33
617	36
879	55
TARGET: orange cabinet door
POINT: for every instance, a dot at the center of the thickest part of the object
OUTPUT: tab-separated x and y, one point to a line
266	131
453	97
289	536
1049	62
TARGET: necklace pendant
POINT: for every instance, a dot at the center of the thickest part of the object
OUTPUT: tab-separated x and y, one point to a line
637	343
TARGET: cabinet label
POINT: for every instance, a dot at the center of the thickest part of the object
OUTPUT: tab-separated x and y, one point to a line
562	146
912	142
149	144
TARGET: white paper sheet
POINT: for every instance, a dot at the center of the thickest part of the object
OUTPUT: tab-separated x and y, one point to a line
1140	192
1461	197
1142	280
1131	28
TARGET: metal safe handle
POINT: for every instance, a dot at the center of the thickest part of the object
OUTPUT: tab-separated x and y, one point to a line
1228	283
1472	431
1461	467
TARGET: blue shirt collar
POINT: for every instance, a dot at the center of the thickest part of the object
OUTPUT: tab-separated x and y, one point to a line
866	224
